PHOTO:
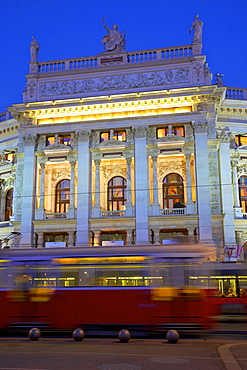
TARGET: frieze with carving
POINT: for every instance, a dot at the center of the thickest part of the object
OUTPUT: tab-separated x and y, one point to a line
166	167
31	89
167	77
198	72
242	170
108	170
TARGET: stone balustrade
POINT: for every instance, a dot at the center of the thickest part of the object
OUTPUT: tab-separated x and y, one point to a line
112	213
173	211
5	116
52	216
133	57
236	93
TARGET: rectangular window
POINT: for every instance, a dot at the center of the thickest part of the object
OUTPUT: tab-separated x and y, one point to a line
60	139
241	140
113	135
170	131
10	157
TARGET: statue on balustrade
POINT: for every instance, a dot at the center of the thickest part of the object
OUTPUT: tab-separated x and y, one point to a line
197	30
114	40
34	49
219	79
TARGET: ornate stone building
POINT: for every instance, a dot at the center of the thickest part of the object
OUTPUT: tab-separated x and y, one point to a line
129	148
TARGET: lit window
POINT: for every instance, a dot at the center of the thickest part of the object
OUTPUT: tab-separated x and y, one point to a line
10	157
173	191
9	204
243	193
62	139
116	193
168	131
62	196
241	140
115	135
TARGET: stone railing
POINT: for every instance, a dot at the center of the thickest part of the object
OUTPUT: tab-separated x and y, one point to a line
236	93
133	57
112	213
173	211
53	216
5	116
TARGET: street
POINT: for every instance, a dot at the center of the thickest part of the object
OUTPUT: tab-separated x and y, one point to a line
212	353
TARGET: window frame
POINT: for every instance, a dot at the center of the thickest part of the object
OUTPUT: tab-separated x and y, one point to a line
8	211
174	131
172	198
116	136
61	205
112	200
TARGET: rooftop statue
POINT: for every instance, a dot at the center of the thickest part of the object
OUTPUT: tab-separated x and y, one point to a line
114	40
34	49
219	79
196	27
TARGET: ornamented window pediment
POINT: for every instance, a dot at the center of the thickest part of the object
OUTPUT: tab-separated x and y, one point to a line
57	147
112	143
171	138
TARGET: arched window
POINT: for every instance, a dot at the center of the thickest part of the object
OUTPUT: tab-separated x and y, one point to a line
8	204
243	193
62	196
173	191
116	193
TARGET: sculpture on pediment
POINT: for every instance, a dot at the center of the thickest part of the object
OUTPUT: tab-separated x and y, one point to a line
114	40
196	27
34	49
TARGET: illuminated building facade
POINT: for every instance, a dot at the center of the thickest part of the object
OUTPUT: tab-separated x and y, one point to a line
128	148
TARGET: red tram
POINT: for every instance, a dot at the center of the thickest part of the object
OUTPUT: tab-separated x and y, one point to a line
104	288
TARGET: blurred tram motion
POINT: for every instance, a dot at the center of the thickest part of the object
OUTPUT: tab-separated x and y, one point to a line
108	288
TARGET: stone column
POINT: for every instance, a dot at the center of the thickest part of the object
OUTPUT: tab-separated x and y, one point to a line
226	188
202	182
40	210
71	239
141	186
128	206
96	208
96	238
129	237
238	213
155	206
71	209
40	240
83	189
190	206
28	191
156	236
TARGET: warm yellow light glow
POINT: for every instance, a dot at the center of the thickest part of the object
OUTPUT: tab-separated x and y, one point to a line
117	112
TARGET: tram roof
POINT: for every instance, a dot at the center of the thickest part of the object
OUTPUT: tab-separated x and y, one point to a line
167	250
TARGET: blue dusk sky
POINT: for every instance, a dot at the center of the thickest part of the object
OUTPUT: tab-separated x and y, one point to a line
73	29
